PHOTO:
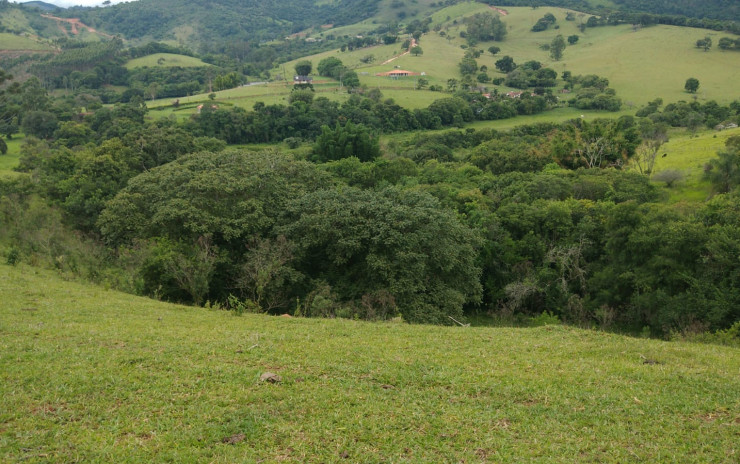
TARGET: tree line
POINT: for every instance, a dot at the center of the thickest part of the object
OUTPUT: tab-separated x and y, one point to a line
543	217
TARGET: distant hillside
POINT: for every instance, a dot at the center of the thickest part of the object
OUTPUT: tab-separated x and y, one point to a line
726	10
195	22
165	60
19	19
41	5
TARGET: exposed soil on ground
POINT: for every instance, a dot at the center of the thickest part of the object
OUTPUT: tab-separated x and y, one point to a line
75	25
500	10
411	45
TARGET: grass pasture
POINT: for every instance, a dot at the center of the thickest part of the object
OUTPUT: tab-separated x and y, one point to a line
10	160
641	65
16	42
92	375
166	60
689	153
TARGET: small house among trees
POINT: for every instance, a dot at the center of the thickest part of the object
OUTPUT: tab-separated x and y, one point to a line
302	79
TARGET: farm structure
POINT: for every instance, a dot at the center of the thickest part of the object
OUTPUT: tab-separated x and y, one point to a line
397	74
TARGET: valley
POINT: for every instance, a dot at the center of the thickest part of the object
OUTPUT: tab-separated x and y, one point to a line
370	231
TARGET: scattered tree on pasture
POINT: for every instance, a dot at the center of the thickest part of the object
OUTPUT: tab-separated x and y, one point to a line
556	48
692	85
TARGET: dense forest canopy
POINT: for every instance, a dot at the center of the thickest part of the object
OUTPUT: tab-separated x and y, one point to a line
217	20
728	10
441	226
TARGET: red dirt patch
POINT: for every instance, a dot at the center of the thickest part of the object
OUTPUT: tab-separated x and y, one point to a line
501	11
74	25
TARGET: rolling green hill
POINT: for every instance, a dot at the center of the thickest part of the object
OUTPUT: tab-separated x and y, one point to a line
205	25
94	375
165	60
16	42
16	19
640	64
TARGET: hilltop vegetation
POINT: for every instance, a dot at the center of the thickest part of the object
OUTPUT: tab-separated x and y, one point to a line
726	10
212	22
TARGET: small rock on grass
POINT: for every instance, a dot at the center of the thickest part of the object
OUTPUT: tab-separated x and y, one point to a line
270	377
234	439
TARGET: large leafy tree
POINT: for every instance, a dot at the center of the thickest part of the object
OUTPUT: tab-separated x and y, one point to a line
402	245
230	195
485	27
303	68
692	85
556	47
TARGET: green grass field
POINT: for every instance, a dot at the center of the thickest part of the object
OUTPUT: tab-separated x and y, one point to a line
92	375
165	60
10	160
641	65
15	42
614	52
689	153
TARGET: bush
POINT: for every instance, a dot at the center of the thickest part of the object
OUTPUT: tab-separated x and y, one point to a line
669	176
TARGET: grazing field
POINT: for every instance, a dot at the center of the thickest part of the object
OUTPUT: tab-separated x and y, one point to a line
10	160
689	154
640	64
16	42
387	13
165	60
88	374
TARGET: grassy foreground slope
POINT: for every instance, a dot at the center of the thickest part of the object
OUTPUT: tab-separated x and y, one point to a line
97	376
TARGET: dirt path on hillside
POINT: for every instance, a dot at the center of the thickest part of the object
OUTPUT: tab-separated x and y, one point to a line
75	25
500	10
411	45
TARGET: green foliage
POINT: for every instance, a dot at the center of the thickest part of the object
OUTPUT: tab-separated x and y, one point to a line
726	43
329	67
468	66
230	195
41	124
724	171
556	47
344	142
505	64
530	74
216	26
544	23
365	244
705	43
486	26
599	143
692	85
593	92
303	68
